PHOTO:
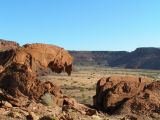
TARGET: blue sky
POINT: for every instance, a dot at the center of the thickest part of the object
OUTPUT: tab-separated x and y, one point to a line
82	24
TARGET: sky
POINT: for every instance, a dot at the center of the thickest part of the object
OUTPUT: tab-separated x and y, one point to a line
82	24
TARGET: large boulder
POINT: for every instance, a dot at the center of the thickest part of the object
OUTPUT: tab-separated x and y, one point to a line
39	56
128	94
7	45
19	84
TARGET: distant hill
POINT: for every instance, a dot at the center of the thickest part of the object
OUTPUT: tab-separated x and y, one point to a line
102	58
141	58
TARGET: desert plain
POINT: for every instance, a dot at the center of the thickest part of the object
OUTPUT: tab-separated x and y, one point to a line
81	85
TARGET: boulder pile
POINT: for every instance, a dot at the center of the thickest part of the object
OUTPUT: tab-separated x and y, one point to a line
19	67
19	84
128	95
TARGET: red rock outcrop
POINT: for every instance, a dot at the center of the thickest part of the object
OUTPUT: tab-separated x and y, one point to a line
128	94
39	56
19	84
147	102
7	45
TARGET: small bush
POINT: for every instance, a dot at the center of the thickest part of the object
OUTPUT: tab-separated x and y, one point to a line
47	99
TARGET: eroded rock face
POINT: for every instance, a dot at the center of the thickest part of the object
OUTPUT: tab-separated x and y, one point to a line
146	102
128	94
19	86
17	82
7	45
39	56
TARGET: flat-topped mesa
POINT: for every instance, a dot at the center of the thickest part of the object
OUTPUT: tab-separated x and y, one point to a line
39	56
7	45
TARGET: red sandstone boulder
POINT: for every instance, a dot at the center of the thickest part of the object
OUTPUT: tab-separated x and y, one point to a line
19	84
128	95
39	56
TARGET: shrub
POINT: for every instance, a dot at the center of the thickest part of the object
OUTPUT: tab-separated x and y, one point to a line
47	99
